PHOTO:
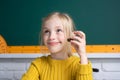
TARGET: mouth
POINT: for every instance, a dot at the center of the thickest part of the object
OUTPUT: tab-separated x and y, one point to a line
53	43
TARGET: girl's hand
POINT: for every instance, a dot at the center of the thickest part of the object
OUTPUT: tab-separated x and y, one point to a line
78	41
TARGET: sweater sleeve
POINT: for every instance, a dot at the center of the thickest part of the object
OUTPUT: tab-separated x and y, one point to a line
32	73
84	72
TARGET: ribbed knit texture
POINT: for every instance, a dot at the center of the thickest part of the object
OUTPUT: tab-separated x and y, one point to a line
46	68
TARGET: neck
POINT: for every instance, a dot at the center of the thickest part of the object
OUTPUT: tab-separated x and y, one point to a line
59	56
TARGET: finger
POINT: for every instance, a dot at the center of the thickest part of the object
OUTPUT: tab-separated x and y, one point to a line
76	38
79	34
74	42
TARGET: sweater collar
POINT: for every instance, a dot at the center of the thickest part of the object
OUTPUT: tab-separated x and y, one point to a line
51	60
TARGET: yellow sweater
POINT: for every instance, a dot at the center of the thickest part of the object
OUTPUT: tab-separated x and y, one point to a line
46	68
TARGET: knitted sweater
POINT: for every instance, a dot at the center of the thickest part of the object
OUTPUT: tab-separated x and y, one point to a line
46	68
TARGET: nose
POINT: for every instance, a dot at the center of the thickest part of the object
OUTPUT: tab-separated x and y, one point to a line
52	36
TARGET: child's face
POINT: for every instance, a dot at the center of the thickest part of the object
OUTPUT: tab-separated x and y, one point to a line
54	35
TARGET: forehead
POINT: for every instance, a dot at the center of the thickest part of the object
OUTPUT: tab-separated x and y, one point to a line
54	21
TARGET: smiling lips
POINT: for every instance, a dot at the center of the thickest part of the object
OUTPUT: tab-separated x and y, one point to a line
53	43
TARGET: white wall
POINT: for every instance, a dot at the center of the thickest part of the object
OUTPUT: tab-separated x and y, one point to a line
12	66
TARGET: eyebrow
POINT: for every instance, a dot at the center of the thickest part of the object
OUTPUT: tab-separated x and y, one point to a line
44	27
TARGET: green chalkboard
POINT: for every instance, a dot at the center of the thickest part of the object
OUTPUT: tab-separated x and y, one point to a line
20	20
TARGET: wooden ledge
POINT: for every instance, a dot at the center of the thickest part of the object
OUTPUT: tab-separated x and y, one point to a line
43	49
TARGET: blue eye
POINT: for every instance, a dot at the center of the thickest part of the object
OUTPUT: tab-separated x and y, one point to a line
59	30
46	31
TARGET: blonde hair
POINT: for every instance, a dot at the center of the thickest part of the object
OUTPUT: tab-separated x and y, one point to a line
68	26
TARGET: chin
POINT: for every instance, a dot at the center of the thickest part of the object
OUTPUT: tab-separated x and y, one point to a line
54	50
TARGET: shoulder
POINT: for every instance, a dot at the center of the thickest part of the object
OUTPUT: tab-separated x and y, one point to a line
39	60
75	58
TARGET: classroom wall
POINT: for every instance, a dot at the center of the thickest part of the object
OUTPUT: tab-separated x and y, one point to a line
20	20
12	66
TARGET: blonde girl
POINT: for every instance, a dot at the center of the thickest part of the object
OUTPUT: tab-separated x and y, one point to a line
59	35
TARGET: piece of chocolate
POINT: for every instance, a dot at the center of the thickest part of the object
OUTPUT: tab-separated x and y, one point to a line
69	39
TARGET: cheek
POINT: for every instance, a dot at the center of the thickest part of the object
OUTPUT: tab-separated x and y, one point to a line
62	37
44	39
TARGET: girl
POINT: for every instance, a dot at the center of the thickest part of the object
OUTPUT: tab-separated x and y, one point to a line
58	35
